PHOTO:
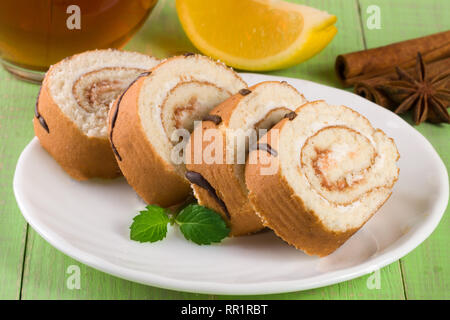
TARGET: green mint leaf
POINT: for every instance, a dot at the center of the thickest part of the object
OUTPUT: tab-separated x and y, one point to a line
201	225
150	225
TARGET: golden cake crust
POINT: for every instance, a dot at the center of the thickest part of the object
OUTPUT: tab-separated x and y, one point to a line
156	180
241	216
81	156
283	211
138	156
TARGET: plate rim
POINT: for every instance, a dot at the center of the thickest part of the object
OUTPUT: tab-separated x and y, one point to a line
421	233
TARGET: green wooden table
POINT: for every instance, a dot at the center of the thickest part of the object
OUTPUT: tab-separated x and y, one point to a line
32	269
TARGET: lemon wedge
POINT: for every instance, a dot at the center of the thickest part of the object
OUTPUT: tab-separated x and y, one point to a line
256	35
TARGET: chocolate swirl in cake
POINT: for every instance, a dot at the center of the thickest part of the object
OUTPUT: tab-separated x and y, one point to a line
116	112
245	92
197	179
213	118
266	147
291	115
41	119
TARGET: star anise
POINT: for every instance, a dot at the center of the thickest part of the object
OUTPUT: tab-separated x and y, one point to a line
428	97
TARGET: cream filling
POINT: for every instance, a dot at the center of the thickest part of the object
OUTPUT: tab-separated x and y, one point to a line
317	126
158	86
64	75
377	183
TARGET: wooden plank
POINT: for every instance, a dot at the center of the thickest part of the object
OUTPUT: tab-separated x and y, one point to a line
45	268
16	112
356	289
47	272
46	275
426	270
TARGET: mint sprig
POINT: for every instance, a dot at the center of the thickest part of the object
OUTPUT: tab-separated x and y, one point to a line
197	223
201	225
150	225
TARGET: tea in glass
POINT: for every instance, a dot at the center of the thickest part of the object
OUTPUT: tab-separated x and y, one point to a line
37	34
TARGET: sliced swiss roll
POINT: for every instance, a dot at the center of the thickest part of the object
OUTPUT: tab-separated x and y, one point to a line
328	171
151	121
218	149
72	109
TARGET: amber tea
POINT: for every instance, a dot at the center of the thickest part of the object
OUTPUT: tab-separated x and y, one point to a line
36	34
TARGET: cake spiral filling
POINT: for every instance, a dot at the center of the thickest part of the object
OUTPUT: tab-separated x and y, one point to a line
94	91
336	159
180	91
332	171
272	118
339	165
239	121
187	102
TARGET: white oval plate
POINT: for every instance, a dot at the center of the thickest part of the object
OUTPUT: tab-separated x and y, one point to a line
90	221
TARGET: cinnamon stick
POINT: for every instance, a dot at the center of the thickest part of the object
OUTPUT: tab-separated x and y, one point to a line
357	67
368	88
